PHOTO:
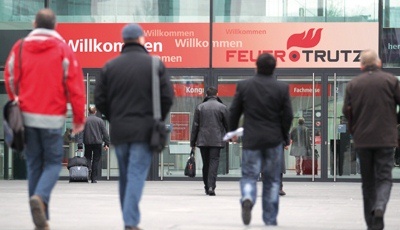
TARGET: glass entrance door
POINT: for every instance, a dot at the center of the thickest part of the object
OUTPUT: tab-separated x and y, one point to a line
342	158
306	96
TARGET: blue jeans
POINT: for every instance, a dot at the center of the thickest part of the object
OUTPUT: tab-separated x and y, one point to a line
267	161
134	160
44	153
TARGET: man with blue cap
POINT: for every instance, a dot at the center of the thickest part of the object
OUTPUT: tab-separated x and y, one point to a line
123	94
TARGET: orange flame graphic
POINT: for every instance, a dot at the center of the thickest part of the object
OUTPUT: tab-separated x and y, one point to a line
305	41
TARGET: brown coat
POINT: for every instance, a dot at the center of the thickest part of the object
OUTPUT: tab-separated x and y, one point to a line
370	106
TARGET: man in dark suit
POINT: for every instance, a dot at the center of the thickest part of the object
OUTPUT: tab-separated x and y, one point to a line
265	103
370	107
210	124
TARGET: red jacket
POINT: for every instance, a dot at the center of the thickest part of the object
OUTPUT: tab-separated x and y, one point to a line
50	77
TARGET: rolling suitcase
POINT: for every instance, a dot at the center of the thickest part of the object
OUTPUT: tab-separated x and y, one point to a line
78	169
307	166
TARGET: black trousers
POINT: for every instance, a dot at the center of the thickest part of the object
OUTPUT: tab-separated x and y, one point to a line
376	166
397	156
210	157
93	155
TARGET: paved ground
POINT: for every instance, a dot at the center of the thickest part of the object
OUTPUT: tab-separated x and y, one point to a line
182	205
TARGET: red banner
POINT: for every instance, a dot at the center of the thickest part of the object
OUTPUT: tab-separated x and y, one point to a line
234	45
305	90
179	45
189	90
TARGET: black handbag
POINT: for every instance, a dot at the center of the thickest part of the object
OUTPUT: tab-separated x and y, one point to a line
13	124
190	169
159	133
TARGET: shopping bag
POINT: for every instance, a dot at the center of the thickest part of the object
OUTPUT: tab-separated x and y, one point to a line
190	169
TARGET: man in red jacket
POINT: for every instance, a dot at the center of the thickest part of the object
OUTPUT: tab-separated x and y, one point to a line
43	75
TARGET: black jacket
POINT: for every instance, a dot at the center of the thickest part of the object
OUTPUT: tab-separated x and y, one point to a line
370	106
210	123
265	103
123	93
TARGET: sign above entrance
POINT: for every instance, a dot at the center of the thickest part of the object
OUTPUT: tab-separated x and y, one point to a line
305	90
295	45
234	45
179	45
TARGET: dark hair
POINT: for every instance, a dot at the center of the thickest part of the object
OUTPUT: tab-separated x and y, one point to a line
46	19
211	91
301	121
266	64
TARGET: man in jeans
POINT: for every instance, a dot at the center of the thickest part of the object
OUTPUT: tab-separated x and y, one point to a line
94	135
48	79
265	103
123	94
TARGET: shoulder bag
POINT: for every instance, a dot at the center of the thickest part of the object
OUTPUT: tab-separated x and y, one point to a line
159	132
13	124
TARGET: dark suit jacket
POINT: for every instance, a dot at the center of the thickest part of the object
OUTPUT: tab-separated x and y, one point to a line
370	106
265	103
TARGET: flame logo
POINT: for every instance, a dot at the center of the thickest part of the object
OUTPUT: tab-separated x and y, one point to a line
305	41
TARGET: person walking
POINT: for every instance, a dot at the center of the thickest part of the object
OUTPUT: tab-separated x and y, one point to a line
94	135
371	95
123	93
301	144
265	103
40	60
210	123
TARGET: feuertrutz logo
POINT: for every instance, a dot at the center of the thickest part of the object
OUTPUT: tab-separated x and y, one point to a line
299	46
311	40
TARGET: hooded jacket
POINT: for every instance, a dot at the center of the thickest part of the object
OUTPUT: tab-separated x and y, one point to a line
48	78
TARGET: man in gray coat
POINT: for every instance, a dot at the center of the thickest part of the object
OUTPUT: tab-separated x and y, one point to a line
210	123
94	135
370	106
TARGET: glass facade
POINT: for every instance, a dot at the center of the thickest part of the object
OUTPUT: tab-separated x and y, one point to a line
322	110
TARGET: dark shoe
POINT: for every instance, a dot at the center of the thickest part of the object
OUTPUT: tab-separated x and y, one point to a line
282	193
38	213
94	181
247	205
206	191
211	192
298	174
377	220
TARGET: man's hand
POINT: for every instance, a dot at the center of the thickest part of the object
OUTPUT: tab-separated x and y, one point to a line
105	147
286	147
234	138
77	128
